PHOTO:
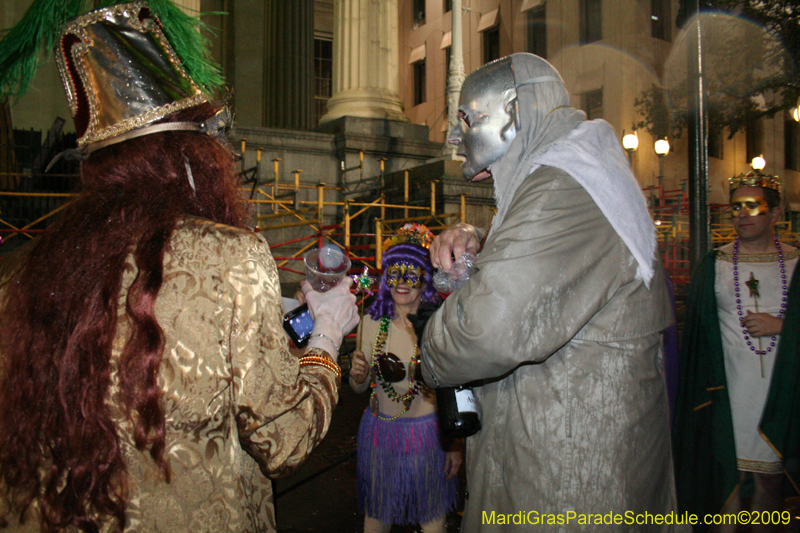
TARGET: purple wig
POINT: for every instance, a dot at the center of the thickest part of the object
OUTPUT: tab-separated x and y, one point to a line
404	252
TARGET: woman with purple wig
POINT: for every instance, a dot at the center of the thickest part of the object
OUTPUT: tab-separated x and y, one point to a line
405	476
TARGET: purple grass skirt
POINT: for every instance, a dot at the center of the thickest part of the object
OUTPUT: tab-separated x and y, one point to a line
400	470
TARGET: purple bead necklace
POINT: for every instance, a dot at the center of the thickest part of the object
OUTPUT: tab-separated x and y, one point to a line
739	300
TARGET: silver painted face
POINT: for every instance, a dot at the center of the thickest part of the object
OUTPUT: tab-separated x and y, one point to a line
487	115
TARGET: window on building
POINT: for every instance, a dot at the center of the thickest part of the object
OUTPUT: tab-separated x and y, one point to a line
592	104
419	82
419	11
491	44
591	21
754	132
660	21
448	6
537	32
446	63
716	140
323	76
791	143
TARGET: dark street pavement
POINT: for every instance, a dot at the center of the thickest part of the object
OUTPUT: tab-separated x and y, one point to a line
321	495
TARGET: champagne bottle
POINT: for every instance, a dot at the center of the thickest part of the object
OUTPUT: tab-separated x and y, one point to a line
458	413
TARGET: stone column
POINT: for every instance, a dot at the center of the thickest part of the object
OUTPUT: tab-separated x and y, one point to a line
244	69
365	61
289	64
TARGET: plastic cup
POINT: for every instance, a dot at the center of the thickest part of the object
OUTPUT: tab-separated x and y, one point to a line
326	267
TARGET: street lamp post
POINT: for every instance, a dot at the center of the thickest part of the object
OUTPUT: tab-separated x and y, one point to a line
631	143
662	149
697	126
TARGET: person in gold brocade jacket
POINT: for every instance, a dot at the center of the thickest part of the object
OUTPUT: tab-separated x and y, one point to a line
146	382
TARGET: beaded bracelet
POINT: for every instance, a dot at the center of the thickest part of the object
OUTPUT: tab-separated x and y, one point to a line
323	361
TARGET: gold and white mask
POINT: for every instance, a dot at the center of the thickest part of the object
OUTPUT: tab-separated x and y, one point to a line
752	205
410	275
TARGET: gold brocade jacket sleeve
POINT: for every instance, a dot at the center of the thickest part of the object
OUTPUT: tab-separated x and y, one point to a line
282	414
238	406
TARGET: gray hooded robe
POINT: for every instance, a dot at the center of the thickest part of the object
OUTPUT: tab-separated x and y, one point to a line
560	323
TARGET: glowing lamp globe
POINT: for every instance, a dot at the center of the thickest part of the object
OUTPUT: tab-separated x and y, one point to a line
630	142
662	147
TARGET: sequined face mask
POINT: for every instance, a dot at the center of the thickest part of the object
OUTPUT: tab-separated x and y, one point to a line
411	275
752	205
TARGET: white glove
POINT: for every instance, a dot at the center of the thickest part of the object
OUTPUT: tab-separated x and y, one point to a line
335	315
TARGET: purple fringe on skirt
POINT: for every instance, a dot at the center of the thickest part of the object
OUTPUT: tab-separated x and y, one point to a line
401	470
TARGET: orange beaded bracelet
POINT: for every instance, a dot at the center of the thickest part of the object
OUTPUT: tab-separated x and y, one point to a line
322	360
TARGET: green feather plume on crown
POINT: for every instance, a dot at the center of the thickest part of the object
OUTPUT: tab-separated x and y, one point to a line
35	36
184	34
22	46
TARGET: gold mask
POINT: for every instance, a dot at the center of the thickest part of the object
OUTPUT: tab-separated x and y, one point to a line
752	205
412	276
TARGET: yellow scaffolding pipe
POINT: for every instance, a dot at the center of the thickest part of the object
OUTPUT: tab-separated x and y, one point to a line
378	240
405	193
296	188
40	194
416	219
276	168
347	225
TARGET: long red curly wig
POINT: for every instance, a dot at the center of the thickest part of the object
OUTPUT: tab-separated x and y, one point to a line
59	446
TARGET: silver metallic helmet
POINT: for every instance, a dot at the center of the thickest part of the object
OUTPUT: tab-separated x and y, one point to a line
121	74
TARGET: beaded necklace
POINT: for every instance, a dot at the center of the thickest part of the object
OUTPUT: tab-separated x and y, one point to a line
413	386
739	300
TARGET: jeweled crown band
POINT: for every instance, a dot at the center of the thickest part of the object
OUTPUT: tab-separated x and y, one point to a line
755	178
413	233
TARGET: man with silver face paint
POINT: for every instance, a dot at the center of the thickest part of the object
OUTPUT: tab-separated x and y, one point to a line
738	397
487	117
561	321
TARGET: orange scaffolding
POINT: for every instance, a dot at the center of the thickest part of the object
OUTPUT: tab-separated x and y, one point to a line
286	210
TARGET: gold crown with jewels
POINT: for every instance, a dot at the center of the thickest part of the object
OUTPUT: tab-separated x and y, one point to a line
755	178
413	233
